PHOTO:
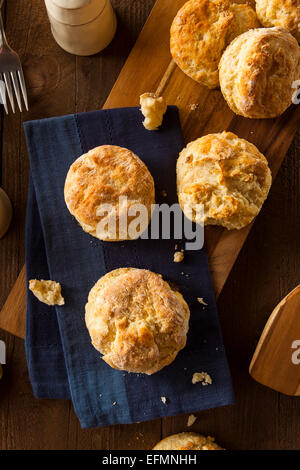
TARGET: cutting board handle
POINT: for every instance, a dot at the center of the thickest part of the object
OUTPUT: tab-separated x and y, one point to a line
276	361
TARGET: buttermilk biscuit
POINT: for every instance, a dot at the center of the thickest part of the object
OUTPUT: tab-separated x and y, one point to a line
257	72
227	175
136	320
200	33
99	179
187	441
283	13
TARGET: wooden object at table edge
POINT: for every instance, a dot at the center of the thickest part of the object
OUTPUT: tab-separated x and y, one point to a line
139	75
272	364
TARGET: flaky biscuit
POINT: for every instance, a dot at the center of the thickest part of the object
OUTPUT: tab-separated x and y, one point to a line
136	320
258	71
99	178
283	13
201	31
227	175
187	441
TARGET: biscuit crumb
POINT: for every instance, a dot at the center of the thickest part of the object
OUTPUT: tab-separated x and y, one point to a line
163	399
164	193
114	403
48	292
201	301
153	108
194	106
202	377
178	256
191	420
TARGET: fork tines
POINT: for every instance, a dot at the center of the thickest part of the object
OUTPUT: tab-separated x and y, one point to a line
11	83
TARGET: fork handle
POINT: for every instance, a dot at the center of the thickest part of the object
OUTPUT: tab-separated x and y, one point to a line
3	40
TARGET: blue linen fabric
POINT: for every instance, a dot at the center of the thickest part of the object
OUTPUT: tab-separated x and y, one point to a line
61	360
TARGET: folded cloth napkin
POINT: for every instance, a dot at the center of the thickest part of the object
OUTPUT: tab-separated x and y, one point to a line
61	360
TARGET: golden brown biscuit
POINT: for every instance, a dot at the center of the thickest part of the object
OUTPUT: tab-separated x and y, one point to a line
187	441
201	31
283	13
227	176
98	179
257	72
136	320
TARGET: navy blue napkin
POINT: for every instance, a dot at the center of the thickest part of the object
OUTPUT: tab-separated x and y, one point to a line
61	360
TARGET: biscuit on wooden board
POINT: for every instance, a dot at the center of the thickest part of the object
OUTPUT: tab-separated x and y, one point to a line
100	177
187	441
136	320
201	31
284	13
227	175
258	72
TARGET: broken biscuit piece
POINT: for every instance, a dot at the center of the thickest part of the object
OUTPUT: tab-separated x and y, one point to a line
48	292
178	256
153	108
191	420
202	377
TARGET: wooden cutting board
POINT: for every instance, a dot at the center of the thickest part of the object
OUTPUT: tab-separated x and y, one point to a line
276	361
202	111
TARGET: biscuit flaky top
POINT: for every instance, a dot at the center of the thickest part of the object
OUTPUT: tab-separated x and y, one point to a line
98	179
227	175
258	72
201	31
187	441
282	13
136	320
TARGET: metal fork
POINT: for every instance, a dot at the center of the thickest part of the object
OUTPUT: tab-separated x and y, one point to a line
11	73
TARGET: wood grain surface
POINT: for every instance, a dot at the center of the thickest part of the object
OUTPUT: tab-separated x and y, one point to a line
211	114
267	268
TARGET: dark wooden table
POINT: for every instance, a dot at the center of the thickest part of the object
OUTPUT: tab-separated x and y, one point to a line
267	268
